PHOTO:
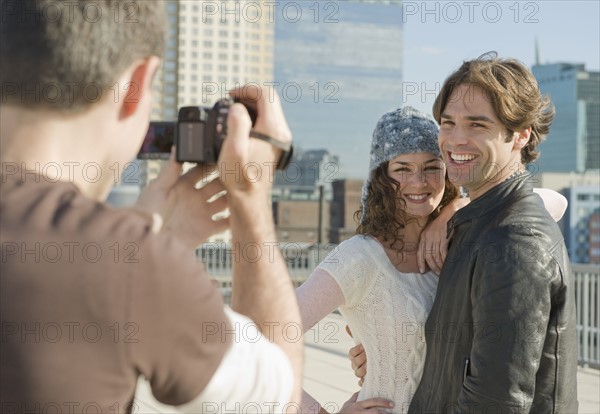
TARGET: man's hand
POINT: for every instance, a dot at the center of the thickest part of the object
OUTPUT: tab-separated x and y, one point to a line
247	165
185	209
358	357
372	405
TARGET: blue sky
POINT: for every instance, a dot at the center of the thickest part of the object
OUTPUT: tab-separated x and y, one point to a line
567	31
359	53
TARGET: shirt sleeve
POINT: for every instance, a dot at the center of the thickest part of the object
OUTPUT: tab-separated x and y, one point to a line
254	375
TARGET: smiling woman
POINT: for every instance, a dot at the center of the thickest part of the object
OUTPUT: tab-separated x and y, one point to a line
374	277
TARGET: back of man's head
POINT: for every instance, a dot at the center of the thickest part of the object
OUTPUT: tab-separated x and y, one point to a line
66	55
513	92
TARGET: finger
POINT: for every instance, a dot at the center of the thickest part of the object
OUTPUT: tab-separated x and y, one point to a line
212	188
439	262
355	350
348	331
432	263
198	173
421	254
361	371
444	250
359	361
170	171
248	94
235	146
217	206
376	403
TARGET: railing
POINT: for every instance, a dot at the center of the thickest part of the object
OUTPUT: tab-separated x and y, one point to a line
587	298
302	258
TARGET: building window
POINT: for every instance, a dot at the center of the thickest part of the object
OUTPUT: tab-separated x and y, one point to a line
208	43
223	45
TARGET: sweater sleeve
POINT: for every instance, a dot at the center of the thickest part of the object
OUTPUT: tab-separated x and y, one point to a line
349	265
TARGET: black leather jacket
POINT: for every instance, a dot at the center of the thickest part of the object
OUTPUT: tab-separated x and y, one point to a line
501	334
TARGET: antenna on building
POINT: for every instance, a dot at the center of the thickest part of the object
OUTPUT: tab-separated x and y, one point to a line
537	51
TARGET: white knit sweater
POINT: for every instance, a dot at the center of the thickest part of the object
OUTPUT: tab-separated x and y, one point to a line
386	311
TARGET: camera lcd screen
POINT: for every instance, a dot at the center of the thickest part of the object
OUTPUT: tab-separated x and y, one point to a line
158	141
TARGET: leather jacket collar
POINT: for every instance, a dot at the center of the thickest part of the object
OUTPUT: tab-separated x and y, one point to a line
494	199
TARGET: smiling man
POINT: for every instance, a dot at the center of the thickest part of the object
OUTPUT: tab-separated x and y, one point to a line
501	333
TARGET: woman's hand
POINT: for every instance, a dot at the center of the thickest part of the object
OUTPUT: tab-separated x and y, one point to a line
358	358
372	405
433	245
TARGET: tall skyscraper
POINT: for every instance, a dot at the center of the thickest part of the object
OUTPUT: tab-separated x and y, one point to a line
338	66
212	46
574	140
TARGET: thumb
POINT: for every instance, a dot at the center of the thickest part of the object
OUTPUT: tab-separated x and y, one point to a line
235	146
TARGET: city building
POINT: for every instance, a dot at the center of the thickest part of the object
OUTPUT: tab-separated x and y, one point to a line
298	221
307	172
594	230
338	68
211	48
582	192
346	201
578	231
574	140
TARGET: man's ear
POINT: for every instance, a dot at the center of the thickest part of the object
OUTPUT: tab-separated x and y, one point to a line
138	85
521	138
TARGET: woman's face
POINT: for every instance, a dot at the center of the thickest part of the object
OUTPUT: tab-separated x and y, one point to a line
421	177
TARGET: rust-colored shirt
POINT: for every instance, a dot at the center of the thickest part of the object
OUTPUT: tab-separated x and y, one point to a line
91	298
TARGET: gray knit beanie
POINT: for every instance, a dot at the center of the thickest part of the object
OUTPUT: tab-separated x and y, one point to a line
403	131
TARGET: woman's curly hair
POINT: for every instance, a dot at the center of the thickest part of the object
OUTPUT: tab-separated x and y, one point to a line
386	215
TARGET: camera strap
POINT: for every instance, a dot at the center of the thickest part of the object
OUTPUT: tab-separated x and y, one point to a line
287	148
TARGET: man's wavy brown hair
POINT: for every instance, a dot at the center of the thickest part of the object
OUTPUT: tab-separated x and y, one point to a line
386	211
513	93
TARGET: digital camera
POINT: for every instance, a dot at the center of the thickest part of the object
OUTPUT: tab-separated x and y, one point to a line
198	135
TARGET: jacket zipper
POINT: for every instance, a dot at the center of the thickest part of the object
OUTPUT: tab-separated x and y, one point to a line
466	368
